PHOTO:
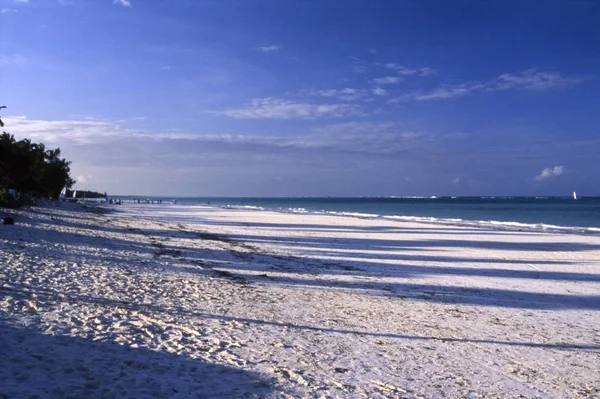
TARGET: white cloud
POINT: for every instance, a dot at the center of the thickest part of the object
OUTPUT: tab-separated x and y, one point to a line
268	49
124	3
378	91
534	80
359	68
455	180
224	164
446	92
313	162
81	179
366	137
7	10
527	80
347	94
326	92
549	173
274	108
21	1
388	80
426	71
358	65
54	132
404	71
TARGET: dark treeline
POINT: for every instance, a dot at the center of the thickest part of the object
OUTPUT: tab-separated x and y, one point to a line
31	170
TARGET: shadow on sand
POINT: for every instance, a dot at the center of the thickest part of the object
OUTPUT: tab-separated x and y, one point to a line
46	366
316	272
240	254
114	304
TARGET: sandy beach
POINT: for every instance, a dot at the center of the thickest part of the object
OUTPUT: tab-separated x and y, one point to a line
163	301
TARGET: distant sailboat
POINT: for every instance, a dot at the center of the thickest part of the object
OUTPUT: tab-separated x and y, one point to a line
574	195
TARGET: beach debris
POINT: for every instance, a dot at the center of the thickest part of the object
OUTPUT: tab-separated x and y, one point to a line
290	374
8	220
341	370
389	388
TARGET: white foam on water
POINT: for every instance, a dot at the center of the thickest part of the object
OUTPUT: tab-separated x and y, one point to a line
495	224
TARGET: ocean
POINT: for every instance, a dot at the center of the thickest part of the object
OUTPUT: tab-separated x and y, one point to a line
522	213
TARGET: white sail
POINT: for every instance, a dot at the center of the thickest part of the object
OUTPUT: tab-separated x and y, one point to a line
574	195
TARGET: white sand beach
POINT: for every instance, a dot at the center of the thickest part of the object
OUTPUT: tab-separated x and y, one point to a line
164	301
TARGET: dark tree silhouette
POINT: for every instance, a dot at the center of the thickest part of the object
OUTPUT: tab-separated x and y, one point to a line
30	169
2	123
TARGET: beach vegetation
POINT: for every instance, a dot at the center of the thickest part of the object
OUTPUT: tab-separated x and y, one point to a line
29	170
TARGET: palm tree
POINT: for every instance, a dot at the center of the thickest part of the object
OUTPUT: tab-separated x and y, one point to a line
2	123
7	147
31	169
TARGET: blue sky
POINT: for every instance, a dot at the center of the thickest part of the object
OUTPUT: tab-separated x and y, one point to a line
286	98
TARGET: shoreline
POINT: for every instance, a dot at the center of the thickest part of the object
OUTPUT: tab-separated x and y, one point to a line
277	304
509	226
500	225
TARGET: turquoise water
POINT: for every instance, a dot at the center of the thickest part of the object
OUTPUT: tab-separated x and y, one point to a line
520	212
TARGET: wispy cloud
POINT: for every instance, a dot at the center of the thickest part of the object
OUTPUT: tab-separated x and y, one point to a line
378	91
387	80
124	3
274	108
98	147
446	92
534	80
310	162
550	173
367	137
347	94
359	68
531	80
402	70
7	10
22	1
268	49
